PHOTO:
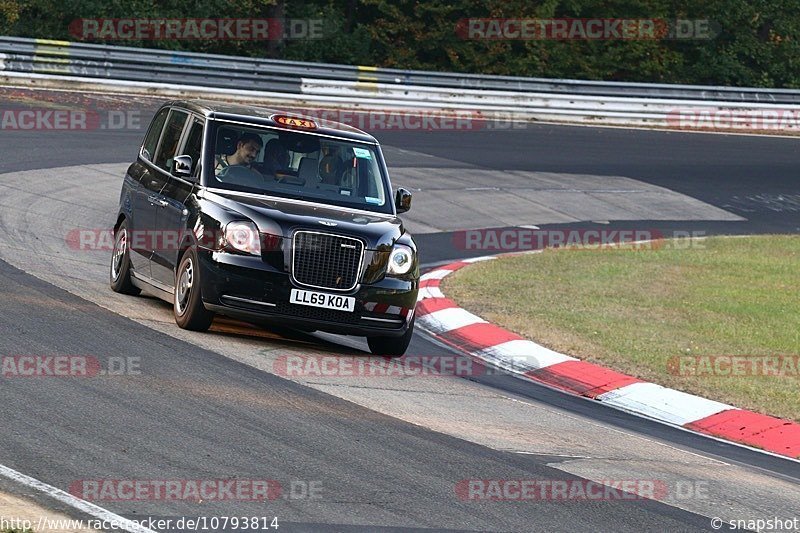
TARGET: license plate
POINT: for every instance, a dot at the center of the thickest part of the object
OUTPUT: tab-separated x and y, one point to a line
322	299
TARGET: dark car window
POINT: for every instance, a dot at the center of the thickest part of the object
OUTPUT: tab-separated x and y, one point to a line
170	139
151	139
194	144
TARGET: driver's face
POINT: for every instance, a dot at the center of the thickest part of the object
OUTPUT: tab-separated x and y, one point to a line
248	151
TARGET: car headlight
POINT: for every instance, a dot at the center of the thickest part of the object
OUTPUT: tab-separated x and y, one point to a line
401	259
243	237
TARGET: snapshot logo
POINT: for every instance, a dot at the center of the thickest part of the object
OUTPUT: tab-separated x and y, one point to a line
582	29
578	489
735	119
80	366
734	365
44	119
230	29
195	490
774	523
378	367
523	239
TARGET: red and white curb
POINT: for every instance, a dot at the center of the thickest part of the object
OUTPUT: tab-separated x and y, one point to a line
471	334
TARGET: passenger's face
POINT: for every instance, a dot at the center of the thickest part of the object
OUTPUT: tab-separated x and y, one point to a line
248	151
279	157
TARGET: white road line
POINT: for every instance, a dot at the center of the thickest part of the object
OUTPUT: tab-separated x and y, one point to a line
81	505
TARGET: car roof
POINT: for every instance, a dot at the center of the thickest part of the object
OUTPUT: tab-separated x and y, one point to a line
263	116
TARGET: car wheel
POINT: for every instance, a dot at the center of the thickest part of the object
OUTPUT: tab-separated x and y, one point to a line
391	346
120	273
190	313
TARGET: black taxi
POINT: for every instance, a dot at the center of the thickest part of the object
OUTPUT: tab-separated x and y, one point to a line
269	217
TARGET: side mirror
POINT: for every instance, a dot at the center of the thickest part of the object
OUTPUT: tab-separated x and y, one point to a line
182	166
402	200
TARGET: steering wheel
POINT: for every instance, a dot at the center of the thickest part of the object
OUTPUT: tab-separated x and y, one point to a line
241	175
223	174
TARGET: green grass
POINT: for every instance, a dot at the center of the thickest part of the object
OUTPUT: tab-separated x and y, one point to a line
635	310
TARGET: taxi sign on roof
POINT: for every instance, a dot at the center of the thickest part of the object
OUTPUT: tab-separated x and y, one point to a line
295	122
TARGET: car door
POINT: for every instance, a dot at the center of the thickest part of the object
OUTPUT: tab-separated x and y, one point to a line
172	215
142	211
155	181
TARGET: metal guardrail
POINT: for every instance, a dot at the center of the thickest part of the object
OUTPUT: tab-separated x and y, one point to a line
139	64
370	87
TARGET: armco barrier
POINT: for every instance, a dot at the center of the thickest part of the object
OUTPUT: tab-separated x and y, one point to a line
23	60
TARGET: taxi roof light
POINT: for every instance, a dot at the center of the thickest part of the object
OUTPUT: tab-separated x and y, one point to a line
296	122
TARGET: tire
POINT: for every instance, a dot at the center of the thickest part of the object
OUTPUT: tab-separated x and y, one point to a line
187	301
120	271
391	346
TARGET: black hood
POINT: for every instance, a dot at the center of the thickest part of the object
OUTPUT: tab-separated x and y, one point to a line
277	216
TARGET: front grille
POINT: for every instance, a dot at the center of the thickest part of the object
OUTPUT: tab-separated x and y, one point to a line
326	261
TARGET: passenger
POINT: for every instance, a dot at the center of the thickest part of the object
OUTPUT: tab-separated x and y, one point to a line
347	178
276	158
247	148
330	167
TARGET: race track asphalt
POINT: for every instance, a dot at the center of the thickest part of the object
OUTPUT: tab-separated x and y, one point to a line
194	413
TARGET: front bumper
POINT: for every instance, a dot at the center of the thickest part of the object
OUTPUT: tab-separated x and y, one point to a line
248	288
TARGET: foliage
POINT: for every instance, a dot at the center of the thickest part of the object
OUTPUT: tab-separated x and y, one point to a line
754	42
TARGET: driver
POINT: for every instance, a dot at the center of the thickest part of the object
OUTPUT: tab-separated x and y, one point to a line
247	148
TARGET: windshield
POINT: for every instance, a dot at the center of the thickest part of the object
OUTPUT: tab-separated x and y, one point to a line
298	165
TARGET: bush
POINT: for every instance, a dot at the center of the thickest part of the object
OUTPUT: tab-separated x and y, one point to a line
755	43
